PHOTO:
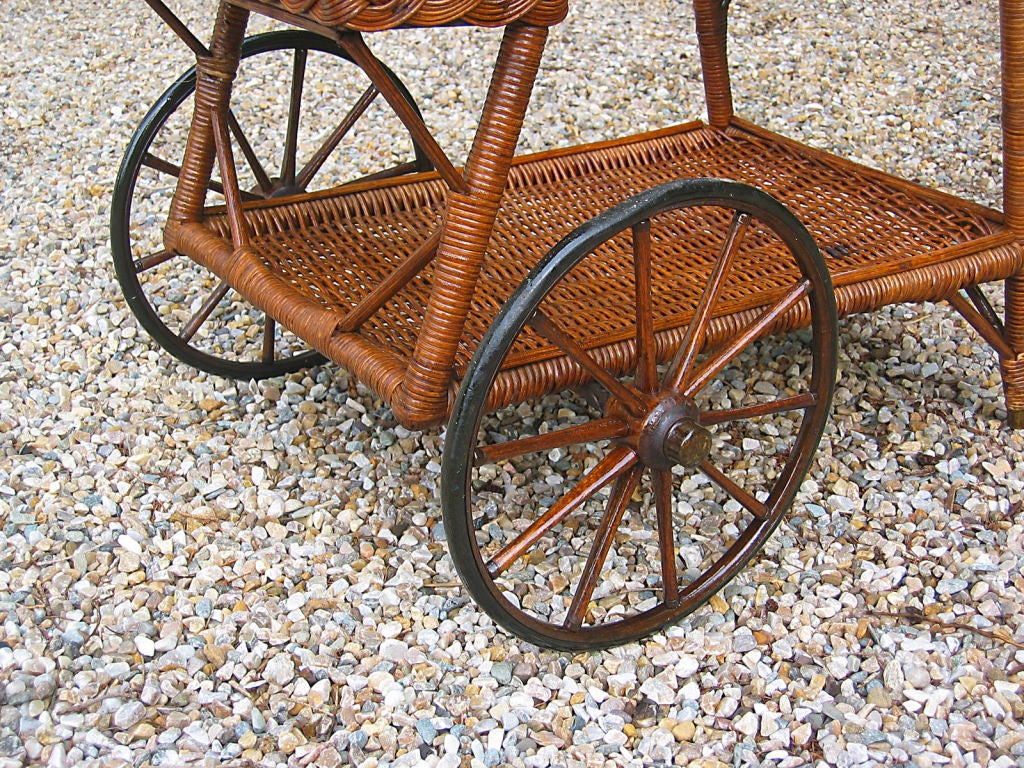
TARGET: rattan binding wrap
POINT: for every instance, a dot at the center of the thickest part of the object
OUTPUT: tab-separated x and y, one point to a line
1013	369
712	38
1011	17
311	260
213	85
370	16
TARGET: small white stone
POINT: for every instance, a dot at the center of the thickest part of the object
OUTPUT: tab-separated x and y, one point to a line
280	670
295	601
145	646
128	714
58	757
393	650
381	681
748	724
319	693
916	675
658	692
994	708
129	543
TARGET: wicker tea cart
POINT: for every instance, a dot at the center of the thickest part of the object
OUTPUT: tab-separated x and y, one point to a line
589	320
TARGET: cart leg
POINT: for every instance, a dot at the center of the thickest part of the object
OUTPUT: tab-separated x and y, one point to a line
469	221
213	91
1005	338
712	38
1012	368
1012	49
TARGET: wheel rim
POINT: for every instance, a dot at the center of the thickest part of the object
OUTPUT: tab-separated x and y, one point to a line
281	86
596	520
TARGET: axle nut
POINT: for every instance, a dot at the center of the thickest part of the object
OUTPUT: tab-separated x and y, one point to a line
687	443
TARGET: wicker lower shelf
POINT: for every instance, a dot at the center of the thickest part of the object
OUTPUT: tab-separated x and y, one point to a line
885	240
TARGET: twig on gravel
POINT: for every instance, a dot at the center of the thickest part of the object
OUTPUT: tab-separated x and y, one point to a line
1001	634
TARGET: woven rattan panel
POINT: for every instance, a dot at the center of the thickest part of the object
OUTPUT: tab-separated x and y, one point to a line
866	225
335	250
374	15
874	231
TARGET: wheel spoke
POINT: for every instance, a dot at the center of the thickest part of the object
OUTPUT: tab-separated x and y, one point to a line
163	166
160	165
315	163
203	330
662	482
543	325
755	507
154	259
646	346
269	338
258	171
200	317
684	357
178	27
611	466
592	431
389	173
711	367
621	493
291	142
795	403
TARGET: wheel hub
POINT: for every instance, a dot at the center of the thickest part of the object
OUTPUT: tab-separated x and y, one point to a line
672	434
280	189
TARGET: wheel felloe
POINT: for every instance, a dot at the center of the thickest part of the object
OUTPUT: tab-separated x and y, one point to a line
592	520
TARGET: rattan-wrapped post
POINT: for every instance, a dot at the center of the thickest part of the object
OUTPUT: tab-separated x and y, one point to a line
213	88
712	17
1012	37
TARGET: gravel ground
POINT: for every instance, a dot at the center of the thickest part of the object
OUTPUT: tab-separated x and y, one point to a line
197	571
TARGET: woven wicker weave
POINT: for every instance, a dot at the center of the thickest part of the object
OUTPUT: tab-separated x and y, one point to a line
369	16
884	240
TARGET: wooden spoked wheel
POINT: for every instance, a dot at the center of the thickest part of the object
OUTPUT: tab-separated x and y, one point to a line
589	520
300	115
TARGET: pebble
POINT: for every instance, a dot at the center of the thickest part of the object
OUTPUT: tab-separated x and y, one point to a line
319	693
685	731
916	675
748	724
743	640
951	586
879	697
280	670
259	722
502	672
128	714
145	645
801	734
658	692
197	569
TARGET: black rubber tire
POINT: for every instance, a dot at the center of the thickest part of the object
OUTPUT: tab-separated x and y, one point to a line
141	295
470	522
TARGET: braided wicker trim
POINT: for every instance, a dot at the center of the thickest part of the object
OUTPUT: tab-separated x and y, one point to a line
375	15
